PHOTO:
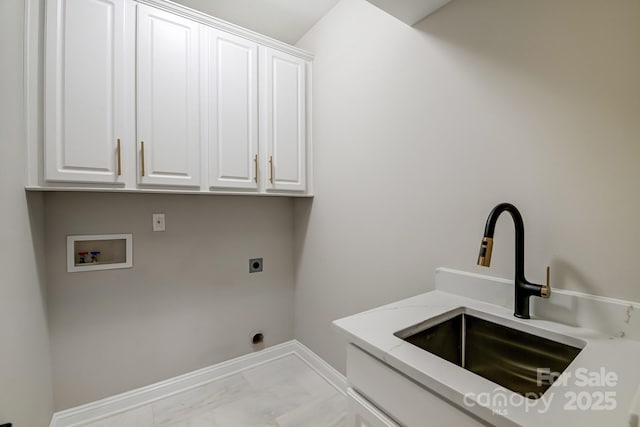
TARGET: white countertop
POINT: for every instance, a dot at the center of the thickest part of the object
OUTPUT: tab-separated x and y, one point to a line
566	404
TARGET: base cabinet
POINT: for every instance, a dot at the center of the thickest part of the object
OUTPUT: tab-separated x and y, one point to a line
401	399
364	414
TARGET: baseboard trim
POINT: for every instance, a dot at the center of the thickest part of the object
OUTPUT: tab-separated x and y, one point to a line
325	370
127	401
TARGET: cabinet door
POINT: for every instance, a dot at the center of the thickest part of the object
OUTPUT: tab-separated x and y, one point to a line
363	413
85	76
168	100
283	118
233	111
400	397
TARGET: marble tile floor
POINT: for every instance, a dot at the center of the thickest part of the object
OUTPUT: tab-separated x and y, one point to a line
284	392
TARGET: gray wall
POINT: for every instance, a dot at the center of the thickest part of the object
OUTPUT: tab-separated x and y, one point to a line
419	132
188	302
26	397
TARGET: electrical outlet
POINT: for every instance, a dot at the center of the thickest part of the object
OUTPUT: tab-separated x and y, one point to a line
158	222
255	265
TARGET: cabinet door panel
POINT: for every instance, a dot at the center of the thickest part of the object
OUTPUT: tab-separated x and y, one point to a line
284	112
233	111
363	413
84	80
168	99
400	397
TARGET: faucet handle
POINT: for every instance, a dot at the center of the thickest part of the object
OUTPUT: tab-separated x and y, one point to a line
545	292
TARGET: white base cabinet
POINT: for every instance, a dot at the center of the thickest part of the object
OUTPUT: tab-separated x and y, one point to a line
363	414
390	392
150	96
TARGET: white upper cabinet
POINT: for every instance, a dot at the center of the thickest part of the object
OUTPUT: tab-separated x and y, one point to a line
283	93
232	77
168	99
85	129
150	96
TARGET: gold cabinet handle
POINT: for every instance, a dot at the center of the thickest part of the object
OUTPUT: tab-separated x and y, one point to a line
255	161
271	169
141	158
119	159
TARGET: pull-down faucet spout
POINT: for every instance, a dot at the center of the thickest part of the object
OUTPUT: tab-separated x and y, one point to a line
523	288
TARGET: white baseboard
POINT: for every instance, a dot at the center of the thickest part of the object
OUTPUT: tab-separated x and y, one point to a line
325	370
132	399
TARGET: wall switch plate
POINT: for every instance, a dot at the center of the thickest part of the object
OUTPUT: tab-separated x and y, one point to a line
255	265
158	222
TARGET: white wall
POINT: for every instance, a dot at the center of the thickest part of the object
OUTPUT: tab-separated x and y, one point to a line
187	303
26	397
419	132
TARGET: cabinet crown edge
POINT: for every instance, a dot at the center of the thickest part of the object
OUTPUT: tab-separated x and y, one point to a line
228	27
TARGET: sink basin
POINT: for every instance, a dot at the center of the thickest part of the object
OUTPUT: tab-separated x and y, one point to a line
506	356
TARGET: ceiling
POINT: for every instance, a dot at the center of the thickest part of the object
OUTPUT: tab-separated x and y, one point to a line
284	20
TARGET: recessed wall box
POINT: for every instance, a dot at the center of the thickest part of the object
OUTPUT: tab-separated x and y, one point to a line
255	265
99	252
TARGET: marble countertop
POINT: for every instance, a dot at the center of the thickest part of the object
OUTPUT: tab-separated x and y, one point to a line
602	380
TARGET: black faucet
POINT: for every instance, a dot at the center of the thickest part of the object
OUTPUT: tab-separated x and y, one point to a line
524	288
